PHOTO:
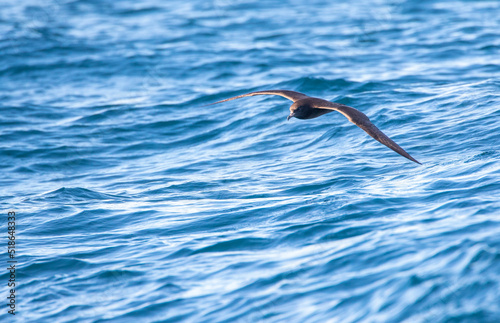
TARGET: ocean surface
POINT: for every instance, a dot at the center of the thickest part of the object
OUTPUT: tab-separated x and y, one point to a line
134	202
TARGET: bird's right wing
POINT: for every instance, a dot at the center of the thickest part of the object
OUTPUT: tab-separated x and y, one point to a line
290	95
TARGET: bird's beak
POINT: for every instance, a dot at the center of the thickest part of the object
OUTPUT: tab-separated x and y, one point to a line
290	116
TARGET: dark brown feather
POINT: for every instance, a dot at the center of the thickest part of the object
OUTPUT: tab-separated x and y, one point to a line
355	116
290	95
361	120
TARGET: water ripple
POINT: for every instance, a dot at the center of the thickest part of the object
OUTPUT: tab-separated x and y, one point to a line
135	202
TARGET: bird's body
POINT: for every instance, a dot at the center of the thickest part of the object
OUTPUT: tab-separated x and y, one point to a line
306	107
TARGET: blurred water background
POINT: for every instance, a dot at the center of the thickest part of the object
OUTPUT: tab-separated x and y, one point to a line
136	204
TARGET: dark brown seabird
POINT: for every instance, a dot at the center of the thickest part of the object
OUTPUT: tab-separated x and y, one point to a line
306	107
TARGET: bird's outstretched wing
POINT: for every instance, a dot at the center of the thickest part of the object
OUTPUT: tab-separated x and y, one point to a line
290	95
361	120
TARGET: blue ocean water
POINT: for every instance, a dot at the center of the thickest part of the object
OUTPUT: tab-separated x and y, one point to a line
134	203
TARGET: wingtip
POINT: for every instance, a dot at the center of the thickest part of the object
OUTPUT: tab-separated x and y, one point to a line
414	160
206	105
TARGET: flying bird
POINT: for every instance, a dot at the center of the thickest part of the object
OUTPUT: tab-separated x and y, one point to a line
306	107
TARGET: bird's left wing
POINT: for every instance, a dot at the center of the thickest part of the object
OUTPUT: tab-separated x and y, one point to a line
361	120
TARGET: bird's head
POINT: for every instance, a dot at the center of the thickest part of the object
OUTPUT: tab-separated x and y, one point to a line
299	110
